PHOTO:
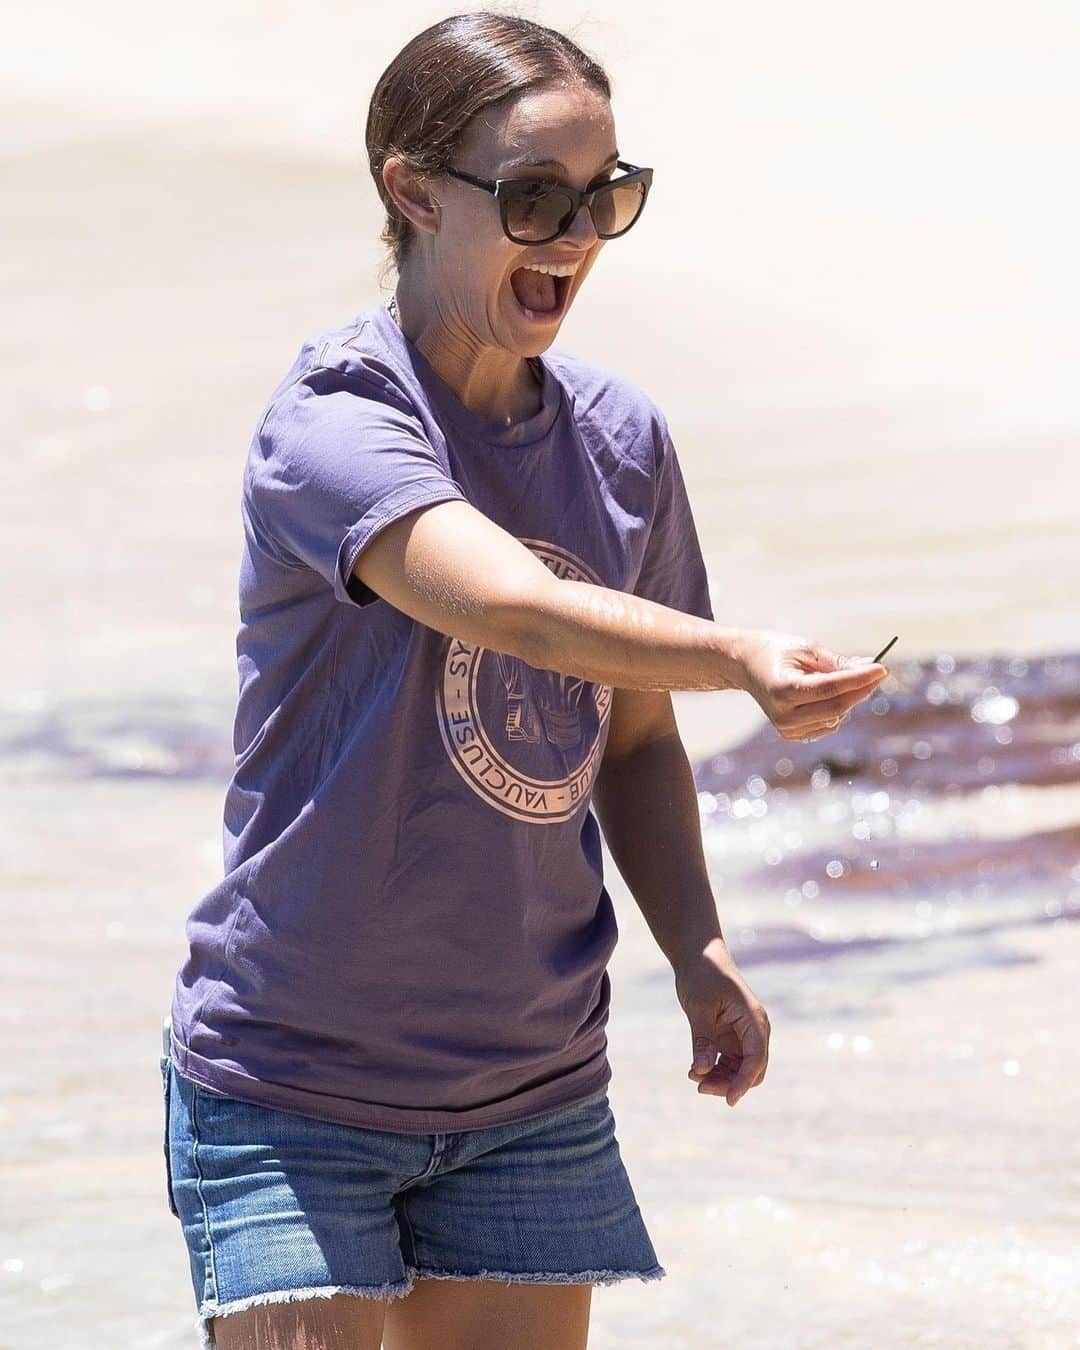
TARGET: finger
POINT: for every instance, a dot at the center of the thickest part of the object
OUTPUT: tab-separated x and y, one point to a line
755	1055
732	1082
825	709
703	1049
733	1078
824	714
812	731
721	1086
723	1041
828	660
821	657
810	726
729	1043
719	1079
742	1085
831	683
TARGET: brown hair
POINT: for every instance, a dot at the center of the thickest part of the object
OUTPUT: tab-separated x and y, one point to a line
429	93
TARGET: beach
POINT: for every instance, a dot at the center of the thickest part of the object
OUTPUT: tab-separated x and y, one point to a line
873	397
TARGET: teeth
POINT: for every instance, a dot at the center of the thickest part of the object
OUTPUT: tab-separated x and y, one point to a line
553	270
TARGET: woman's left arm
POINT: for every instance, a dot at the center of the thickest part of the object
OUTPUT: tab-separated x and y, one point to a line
646	803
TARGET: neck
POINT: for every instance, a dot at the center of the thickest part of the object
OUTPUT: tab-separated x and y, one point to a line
491	382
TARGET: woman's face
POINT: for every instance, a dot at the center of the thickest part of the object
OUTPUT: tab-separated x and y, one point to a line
472	260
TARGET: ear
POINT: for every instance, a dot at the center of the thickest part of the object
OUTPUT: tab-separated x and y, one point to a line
410	195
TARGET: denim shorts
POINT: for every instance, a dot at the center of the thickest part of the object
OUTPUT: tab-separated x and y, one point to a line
276	1206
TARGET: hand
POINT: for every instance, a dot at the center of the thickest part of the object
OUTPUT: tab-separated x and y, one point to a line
724	1018
804	689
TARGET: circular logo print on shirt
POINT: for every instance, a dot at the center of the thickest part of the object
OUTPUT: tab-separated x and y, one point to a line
525	740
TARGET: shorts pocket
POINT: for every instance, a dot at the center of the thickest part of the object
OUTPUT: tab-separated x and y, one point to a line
166	1084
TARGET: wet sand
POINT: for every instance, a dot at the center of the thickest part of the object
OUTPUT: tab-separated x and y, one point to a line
908	1174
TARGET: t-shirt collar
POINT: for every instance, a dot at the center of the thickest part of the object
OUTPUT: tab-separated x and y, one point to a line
475	427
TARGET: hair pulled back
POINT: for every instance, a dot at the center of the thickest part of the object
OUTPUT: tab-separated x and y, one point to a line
429	93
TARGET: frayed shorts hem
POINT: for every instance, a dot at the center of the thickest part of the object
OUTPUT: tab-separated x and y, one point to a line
399	1288
530	1277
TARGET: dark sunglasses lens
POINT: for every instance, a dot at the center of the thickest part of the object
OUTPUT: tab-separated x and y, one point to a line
618	208
538	212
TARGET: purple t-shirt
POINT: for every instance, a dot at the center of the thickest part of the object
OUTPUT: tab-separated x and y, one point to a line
412	930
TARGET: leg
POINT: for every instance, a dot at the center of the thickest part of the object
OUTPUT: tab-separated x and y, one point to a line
341	1322
488	1315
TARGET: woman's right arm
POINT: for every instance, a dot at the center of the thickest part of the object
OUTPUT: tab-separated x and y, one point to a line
449	566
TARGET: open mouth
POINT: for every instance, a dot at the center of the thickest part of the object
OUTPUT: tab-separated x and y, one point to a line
540	296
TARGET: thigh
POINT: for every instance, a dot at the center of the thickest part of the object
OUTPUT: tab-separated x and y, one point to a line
544	1201
337	1323
461	1315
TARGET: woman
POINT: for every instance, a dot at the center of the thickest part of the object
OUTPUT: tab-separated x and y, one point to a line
471	576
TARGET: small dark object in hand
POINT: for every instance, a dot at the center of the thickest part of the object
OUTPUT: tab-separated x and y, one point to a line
884	650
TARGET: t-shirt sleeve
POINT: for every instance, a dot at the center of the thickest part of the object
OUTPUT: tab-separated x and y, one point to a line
673	570
334	463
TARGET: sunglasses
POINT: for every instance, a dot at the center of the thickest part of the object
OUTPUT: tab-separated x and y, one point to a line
535	212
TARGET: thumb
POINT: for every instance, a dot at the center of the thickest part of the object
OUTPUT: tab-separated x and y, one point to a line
827	659
704	1050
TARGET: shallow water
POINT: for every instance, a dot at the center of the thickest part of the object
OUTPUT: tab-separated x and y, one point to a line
934	797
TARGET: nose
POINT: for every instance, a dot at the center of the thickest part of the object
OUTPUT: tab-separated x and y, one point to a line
581	229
